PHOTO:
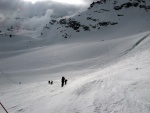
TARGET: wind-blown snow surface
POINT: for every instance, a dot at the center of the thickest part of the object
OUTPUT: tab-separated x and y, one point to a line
121	85
107	69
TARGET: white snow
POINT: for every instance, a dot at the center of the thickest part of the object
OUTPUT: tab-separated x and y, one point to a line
121	85
108	71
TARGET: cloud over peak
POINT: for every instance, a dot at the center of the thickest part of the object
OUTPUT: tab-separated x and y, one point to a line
37	14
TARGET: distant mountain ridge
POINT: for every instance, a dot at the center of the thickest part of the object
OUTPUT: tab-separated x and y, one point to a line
102	18
99	15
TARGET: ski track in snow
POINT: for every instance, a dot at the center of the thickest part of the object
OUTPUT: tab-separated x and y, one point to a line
135	45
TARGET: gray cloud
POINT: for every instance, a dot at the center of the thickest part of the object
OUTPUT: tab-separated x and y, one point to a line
35	15
2	17
38	22
26	9
89	1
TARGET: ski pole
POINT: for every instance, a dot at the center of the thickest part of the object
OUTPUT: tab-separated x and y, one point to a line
3	107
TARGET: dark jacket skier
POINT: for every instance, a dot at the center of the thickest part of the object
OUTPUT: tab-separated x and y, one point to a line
66	81
62	81
49	82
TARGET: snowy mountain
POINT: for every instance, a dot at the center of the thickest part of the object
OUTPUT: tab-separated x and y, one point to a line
104	52
102	18
104	15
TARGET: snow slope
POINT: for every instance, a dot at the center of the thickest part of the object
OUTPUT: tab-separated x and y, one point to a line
120	86
107	68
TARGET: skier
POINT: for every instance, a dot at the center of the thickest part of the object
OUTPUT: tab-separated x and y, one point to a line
62	81
66	81
49	82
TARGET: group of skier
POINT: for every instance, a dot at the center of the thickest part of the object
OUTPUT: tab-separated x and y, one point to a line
50	82
63	82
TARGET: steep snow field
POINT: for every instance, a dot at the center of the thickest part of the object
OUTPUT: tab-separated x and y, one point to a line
103	52
106	76
64	59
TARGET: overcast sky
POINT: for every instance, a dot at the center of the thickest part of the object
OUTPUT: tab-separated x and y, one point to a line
39	11
13	8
